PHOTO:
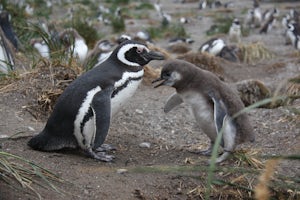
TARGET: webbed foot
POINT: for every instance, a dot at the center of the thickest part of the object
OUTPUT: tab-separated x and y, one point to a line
102	156
105	148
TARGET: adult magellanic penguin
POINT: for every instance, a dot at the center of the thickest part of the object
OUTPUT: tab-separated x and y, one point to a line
8	29
212	103
6	54
75	43
82	114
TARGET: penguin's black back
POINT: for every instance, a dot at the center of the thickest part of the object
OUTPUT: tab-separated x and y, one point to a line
58	132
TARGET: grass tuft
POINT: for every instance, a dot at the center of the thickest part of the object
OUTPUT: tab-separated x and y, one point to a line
251	53
28	175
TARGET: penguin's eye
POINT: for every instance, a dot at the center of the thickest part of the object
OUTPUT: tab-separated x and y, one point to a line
139	50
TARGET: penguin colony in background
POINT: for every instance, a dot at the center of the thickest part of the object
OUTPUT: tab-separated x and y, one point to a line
212	103
82	114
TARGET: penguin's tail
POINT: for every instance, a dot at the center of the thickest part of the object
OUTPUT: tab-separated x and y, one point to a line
47	142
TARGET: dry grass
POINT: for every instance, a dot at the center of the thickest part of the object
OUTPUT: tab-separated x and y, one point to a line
252	91
251	53
262	188
23	174
204	61
150	74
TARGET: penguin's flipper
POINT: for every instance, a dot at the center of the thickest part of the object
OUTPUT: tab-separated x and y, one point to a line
220	112
173	101
221	118
101	105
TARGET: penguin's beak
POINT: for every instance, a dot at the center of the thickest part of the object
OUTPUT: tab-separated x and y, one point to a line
153	55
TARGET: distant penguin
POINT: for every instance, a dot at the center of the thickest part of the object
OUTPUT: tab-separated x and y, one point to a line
75	43
235	32
180	40
213	104
180	45
184	20
294	35
82	114
268	25
202	4
213	46
230	53
100	52
157	7
6	54
8	29
40	45
166	19
123	38
253	18
143	36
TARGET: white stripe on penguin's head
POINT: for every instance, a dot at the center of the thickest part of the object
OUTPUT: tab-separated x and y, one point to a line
122	51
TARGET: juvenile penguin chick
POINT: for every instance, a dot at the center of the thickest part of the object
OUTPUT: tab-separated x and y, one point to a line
81	116
41	46
75	43
212	103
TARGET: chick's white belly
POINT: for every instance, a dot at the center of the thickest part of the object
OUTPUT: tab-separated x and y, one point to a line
122	96
202	113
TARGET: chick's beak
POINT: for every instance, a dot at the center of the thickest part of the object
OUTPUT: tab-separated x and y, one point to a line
157	80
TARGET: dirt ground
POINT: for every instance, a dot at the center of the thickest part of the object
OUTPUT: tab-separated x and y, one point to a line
165	170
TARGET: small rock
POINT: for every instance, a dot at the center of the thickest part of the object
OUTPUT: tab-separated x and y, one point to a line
139	111
145	145
122	171
3	136
85	191
30	128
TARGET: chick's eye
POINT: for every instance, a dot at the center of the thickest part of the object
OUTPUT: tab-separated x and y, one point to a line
166	74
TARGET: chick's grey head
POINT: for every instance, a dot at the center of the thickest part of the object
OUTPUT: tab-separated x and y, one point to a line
173	73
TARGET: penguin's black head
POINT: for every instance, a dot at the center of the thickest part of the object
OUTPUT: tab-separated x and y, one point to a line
4	17
236	21
136	54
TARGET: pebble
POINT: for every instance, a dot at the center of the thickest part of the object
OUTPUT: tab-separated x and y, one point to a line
3	136
30	128
139	111
145	145
122	171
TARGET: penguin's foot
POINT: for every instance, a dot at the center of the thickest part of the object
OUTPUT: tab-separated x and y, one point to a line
102	156
105	148
221	158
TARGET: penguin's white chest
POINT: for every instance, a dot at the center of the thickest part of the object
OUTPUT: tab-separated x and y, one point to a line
125	89
199	107
43	49
80	49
